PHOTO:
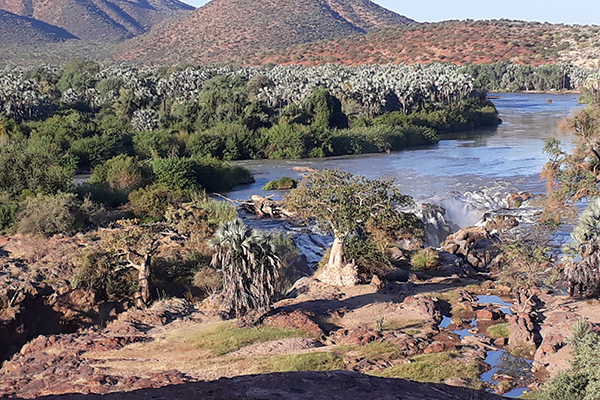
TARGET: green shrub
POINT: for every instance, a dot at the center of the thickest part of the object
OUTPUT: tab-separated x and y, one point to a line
121	172
152	202
93	151
48	215
176	173
284	183
224	141
8	212
425	259
157	143
285	141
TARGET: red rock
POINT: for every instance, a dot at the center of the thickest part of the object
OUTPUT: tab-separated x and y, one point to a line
489	315
438	347
297	320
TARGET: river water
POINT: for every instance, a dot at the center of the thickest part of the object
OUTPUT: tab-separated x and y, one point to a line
490	162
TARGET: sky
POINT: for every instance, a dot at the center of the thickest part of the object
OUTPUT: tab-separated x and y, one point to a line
555	11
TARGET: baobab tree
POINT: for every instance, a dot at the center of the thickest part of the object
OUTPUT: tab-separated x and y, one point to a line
345	204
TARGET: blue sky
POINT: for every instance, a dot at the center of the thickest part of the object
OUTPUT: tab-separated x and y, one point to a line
565	11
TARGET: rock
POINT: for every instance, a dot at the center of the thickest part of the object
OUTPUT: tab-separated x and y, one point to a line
438	347
501	342
554	354
304	169
475	245
301	320
502	377
488	314
516	200
523	331
359	336
376	282
425	305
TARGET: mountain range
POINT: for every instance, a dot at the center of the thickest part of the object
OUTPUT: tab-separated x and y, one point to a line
101	21
227	29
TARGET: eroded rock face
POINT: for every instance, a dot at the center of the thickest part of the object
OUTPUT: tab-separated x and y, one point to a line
554	354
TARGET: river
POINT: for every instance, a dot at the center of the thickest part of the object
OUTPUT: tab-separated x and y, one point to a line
491	162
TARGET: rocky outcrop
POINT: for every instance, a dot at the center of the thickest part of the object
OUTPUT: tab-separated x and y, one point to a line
300	320
475	245
553	355
56	364
523	333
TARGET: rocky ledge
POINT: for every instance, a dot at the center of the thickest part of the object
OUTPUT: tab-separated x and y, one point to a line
298	385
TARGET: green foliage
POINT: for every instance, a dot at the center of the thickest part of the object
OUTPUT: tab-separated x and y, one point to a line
285	141
157	143
9	208
78	75
224	141
93	151
35	166
325	110
222	99
526	260
64	128
283	183
176	173
344	203
425	259
48	215
152	202
225	338
121	172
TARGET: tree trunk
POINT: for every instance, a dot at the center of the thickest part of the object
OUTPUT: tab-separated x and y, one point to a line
336	257
144	279
337	272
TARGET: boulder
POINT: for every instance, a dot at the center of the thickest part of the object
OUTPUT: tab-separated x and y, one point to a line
301	320
523	332
488	314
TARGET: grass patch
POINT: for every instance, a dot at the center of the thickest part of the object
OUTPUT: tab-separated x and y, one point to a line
530	395
284	183
402	324
380	351
498	331
319	361
434	368
226	337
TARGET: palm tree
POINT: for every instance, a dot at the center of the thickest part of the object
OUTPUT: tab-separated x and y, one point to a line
582	255
250	266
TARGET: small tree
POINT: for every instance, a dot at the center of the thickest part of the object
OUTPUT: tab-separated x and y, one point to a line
344	204
250	267
526	262
134	246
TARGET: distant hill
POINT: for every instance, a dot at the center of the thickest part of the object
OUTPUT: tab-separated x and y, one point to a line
224	30
99	20
457	42
17	31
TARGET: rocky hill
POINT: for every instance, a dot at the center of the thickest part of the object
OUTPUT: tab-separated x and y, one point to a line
16	31
225	29
458	42
98	20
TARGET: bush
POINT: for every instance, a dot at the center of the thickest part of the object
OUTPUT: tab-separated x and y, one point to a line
425	259
93	151
8	212
152	202
224	141
121	172
48	215
158	143
284	183
176	173
285	141
98	271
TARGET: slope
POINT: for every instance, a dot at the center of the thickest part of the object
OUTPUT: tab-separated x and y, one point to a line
99	20
458	42
224	30
18	31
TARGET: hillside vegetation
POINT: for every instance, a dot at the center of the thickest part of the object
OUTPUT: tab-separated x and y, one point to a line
225	29
458	42
16	31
